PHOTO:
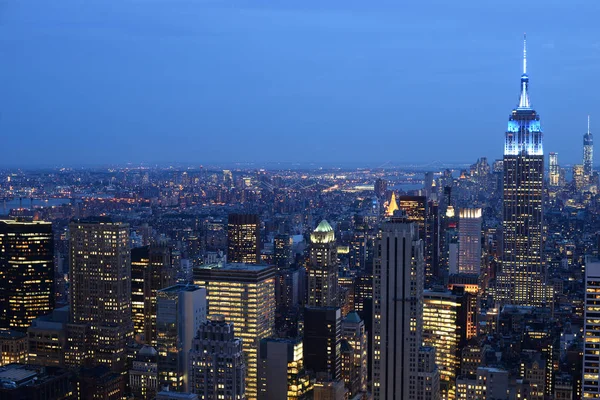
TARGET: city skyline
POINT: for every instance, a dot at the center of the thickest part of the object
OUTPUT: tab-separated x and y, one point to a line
339	73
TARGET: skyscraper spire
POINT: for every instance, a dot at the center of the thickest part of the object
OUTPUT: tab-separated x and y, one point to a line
525	54
589	125
524	98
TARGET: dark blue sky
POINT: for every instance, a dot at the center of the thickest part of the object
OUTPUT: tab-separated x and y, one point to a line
111	81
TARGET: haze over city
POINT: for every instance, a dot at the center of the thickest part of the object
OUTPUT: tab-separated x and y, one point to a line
99	82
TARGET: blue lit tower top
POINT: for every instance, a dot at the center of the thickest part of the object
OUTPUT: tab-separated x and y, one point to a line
524	133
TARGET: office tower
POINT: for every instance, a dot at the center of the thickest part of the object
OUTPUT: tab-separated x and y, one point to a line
588	153
354	367
591	330
143	375
433	238
522	279
100	290
27	382
322	341
398	304
26	272
322	268
243	238
554	170
282	251
469	241
444	328
151	270
579	176
245	295
428	375
417	210
380	188
217	368
281	370
180	309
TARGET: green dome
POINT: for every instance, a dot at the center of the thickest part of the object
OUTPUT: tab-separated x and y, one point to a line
324	227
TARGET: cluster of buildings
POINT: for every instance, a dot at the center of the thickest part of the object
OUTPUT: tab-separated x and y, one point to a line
479	282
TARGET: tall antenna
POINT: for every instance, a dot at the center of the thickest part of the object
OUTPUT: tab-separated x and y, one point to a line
524	53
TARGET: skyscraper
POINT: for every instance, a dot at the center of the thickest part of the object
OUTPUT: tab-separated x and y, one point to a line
151	270
417	210
26	272
588	153
180	309
245	295
282	251
217	368
398	304
322	268
354	370
281	370
100	286
522	279
322	340
554	170
469	241
591	330
243	238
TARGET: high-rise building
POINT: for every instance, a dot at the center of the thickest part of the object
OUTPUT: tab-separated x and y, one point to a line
26	272
281	370
245	295
445	329
100	290
522	279
354	367
469	241
243	238
322	268
588	153
13	346
579	176
398	305
417	209
180	309
217	368
322	341
489	384
591	330
151	270
282	251
380	187
554	170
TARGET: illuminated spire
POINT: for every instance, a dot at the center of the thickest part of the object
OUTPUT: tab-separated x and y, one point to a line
392	206
589	133
524	54
524	98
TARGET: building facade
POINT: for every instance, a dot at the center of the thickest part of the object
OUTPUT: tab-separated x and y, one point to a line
469	241
26	272
591	330
100	291
522	278
151	270
398	305
243	238
322	341
217	367
245	295
281	370
322	268
180	311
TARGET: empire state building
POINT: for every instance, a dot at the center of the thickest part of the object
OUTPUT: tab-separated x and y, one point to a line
522	278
